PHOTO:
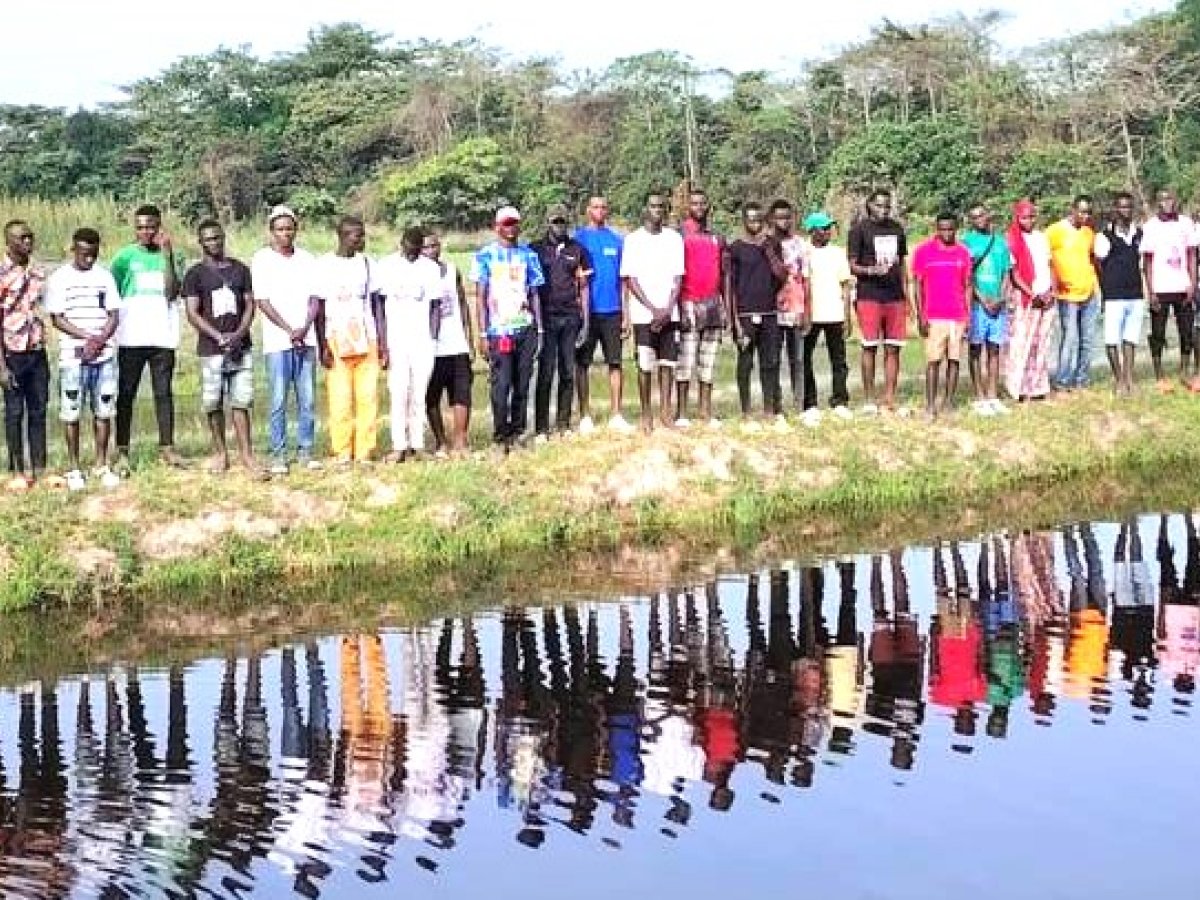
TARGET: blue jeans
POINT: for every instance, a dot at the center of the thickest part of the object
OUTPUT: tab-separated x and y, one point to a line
292	369
1076	340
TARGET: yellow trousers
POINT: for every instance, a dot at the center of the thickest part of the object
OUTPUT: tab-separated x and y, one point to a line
353	386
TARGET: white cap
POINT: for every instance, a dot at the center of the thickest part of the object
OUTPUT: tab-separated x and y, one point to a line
507	213
279	212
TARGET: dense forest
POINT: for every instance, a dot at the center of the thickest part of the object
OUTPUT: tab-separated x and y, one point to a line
439	133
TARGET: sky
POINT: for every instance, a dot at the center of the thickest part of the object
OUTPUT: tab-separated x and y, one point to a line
89	49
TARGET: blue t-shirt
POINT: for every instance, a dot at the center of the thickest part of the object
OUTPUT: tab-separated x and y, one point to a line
604	247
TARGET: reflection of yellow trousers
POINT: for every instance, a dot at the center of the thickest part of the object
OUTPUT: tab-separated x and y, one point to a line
353	386
366	713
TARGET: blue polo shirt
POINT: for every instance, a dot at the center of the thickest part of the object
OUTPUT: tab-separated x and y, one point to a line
604	247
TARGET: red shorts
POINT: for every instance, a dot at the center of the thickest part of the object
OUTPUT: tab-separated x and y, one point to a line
882	323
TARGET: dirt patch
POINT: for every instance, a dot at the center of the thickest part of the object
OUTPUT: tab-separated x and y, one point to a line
964	441
184	538
1016	452
95	563
118	506
381	494
711	460
296	509
1111	428
646	473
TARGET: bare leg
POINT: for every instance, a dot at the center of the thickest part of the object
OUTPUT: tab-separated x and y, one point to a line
102	428
951	385
220	452
932	372
1129	351
647	412
666	382
891	375
974	366
1114	362
706	392
71	431
682	390
992	378
462	426
437	425
868	373
616	386
241	431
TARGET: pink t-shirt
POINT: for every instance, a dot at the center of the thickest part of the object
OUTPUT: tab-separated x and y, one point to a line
701	263
1169	242
943	272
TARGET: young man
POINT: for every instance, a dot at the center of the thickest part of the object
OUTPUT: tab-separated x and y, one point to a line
608	318
877	249
348	342
453	356
285	284
703	309
411	285
755	274
1077	289
84	304
24	366
507	275
991	267
1169	246
942	279
1118	254
652	266
794	310
147	275
829	286
565	302
220	306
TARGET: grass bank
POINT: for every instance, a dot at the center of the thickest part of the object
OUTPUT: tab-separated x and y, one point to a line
429	528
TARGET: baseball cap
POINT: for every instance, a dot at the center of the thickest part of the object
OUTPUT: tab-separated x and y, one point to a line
818	220
558	211
507	214
280	212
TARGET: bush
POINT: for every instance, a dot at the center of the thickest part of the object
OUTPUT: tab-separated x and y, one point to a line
458	189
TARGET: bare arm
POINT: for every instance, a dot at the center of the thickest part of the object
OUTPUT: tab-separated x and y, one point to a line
243	328
197	321
170	276
323	349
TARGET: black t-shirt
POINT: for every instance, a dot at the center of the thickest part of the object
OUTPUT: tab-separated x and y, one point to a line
871	243
561	266
1121	269
223	292
753	280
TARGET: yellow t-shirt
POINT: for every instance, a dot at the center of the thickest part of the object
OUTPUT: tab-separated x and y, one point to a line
1071	258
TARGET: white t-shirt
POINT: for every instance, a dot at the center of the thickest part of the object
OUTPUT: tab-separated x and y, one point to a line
1169	242
84	299
288	282
1039	250
452	337
345	284
828	271
409	287
655	260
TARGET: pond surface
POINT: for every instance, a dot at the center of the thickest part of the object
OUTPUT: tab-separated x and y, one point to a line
1006	717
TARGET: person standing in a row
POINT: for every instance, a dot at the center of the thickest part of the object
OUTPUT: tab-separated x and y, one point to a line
24	365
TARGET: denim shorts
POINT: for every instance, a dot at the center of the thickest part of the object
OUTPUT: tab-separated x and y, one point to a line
93	384
988	329
221	384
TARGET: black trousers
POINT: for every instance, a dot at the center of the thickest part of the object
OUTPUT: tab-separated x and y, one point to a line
1185	320
131	361
765	338
558	356
835	343
25	409
510	374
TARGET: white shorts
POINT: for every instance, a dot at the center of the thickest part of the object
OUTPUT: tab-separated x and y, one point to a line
1123	321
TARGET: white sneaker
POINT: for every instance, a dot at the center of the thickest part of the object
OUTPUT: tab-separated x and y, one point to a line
683	423
715	425
541	439
904	412
587	426
843	412
279	467
108	478
781	425
313	465
75	480
999	408
870	409
811	417
983	408
750	426
617	423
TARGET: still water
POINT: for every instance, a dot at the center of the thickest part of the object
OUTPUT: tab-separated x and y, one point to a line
1007	717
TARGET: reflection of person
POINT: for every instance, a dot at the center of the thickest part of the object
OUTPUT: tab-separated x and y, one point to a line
1179	611
717	707
769	686
897	657
1005	666
1087	649
1133	611
956	680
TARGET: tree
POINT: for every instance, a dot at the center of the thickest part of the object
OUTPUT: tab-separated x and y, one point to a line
457	189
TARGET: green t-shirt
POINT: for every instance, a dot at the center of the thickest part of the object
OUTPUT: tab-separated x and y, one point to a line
992	262
148	319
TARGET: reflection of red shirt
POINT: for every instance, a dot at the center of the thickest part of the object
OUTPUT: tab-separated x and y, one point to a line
701	263
956	679
719	738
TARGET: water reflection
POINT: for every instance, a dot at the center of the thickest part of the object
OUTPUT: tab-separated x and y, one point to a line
331	766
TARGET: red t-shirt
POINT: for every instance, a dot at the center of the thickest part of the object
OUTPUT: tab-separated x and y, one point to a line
943	272
701	263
